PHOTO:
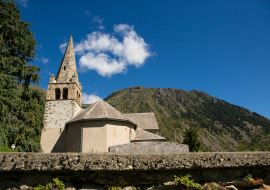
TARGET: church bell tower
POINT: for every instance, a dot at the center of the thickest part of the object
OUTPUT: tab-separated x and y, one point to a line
63	102
66	85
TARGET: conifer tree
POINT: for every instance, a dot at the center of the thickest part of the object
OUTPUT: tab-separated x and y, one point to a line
17	45
191	138
21	108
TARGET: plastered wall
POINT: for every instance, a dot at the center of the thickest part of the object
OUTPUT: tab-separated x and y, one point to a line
119	133
74	137
98	136
49	138
94	136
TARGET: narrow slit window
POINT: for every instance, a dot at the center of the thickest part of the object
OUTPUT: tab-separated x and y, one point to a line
64	68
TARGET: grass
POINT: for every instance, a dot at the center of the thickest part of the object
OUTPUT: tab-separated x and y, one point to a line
6	149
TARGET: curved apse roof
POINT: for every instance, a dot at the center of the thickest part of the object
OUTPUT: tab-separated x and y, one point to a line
98	111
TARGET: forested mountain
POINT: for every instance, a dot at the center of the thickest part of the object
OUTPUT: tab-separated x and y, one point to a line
221	125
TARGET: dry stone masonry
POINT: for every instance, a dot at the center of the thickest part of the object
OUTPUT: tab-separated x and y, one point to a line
104	169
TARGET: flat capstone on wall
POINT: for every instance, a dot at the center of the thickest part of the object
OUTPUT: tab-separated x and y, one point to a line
150	147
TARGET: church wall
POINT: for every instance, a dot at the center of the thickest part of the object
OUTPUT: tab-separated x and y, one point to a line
74	92
119	133
73	137
57	113
50	138
94	136
76	108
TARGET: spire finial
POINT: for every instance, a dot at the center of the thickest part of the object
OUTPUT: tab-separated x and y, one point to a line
71	33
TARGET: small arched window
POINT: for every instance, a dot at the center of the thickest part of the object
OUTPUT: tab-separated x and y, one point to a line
57	93
64	68
65	93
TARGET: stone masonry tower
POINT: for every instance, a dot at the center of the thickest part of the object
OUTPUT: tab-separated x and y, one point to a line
63	102
66	86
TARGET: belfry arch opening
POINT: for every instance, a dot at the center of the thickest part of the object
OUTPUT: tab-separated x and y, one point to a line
65	93
57	93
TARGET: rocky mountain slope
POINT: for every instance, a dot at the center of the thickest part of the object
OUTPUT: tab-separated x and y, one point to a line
221	125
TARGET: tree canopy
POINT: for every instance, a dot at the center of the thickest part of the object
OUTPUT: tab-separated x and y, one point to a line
191	138
21	108
17	45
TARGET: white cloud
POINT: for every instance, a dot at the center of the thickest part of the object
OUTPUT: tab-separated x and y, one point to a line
63	46
89	99
97	19
45	60
108	56
22	2
101	27
104	65
88	13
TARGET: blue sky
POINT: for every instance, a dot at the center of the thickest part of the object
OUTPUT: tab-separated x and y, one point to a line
219	47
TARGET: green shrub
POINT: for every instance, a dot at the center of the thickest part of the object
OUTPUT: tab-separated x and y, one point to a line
40	187
59	183
184	180
249	176
56	184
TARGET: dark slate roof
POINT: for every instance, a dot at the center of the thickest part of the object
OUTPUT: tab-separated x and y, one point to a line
144	120
98	111
142	135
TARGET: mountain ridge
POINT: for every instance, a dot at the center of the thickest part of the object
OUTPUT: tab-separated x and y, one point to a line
222	126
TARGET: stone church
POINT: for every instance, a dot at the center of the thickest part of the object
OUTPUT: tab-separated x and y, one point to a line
70	128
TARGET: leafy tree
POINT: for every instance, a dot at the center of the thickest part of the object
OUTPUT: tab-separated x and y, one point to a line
191	138
21	108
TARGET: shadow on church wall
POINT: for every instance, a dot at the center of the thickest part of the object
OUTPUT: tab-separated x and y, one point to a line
61	144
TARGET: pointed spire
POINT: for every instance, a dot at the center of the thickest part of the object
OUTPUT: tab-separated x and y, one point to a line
68	65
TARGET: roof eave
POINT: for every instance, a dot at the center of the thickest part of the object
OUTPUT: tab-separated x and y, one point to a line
99	119
148	140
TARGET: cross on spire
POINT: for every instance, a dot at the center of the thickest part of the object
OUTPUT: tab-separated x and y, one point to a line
71	32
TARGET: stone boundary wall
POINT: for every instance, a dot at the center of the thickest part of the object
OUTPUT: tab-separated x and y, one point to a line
124	162
150	147
100	171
